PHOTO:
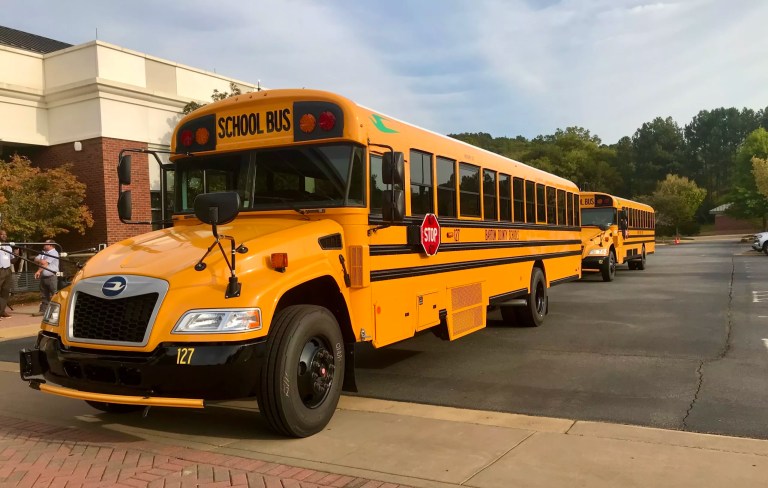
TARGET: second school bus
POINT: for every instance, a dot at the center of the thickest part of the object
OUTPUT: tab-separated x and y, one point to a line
615	231
302	223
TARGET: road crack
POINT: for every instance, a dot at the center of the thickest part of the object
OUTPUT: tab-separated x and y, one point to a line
720	355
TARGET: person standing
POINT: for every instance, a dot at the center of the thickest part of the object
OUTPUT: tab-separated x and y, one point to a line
48	262
7	258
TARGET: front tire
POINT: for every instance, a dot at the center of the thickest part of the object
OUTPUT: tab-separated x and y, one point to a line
765	247
302	378
608	269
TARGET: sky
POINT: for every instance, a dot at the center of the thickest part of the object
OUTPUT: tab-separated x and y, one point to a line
506	67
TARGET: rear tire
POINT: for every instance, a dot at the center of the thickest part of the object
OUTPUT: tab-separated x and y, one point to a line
608	269
641	263
532	315
115	407
765	247
304	371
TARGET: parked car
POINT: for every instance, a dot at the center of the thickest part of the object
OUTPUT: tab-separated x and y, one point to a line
761	242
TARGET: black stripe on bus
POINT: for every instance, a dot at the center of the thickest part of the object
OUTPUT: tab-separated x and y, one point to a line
391	274
390	249
564	280
487	224
505	297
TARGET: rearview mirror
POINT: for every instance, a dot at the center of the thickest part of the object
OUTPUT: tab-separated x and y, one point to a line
124	205
393	205
393	168
217	208
124	170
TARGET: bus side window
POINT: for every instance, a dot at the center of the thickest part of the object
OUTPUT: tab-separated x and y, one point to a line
541	204
421	182
469	190
530	202
518	195
576	212
377	184
489	194
551	205
561	209
505	197
446	187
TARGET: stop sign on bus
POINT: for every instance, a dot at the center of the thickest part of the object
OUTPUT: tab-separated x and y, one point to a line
430	234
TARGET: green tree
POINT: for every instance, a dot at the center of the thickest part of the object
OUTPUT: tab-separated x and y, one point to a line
747	201
656	151
216	96
760	171
37	204
712	139
676	200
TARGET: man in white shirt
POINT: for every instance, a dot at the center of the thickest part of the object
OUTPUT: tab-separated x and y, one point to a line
48	261
7	257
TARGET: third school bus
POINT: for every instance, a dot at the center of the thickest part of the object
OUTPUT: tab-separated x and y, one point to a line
615	231
301	224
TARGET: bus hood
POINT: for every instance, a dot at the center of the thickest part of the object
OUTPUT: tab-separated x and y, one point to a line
167	252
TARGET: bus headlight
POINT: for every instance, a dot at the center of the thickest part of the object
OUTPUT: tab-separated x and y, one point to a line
598	251
51	315
219	321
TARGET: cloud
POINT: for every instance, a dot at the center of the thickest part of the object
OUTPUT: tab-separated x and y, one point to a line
508	67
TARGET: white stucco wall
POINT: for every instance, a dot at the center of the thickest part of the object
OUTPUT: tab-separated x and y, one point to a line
97	89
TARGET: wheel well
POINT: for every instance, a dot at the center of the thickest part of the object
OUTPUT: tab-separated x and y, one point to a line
540	264
324	292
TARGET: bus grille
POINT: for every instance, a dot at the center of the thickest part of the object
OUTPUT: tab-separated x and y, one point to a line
118	320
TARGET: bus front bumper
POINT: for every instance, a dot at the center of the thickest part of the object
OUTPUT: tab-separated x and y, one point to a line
176	375
593	262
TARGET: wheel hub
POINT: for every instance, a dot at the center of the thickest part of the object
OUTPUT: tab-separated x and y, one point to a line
315	372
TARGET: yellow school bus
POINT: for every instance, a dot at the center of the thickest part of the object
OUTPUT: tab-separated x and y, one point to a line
302	224
615	231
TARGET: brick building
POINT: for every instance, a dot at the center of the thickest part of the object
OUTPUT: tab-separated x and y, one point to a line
82	104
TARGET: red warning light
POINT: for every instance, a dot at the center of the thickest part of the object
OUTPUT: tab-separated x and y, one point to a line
327	120
187	137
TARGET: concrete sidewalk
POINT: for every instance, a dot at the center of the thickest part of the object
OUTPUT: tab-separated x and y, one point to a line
47	440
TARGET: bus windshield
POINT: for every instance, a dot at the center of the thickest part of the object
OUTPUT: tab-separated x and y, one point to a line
319	176
598	216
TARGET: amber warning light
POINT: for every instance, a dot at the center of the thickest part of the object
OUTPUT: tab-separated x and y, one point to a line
279	261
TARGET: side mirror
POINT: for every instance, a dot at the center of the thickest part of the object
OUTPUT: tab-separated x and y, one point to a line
393	168
124	205
217	208
604	227
393	205
124	170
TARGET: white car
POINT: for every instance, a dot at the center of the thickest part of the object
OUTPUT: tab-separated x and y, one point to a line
761	242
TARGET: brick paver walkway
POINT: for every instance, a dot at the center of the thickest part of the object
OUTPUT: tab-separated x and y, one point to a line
33	454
